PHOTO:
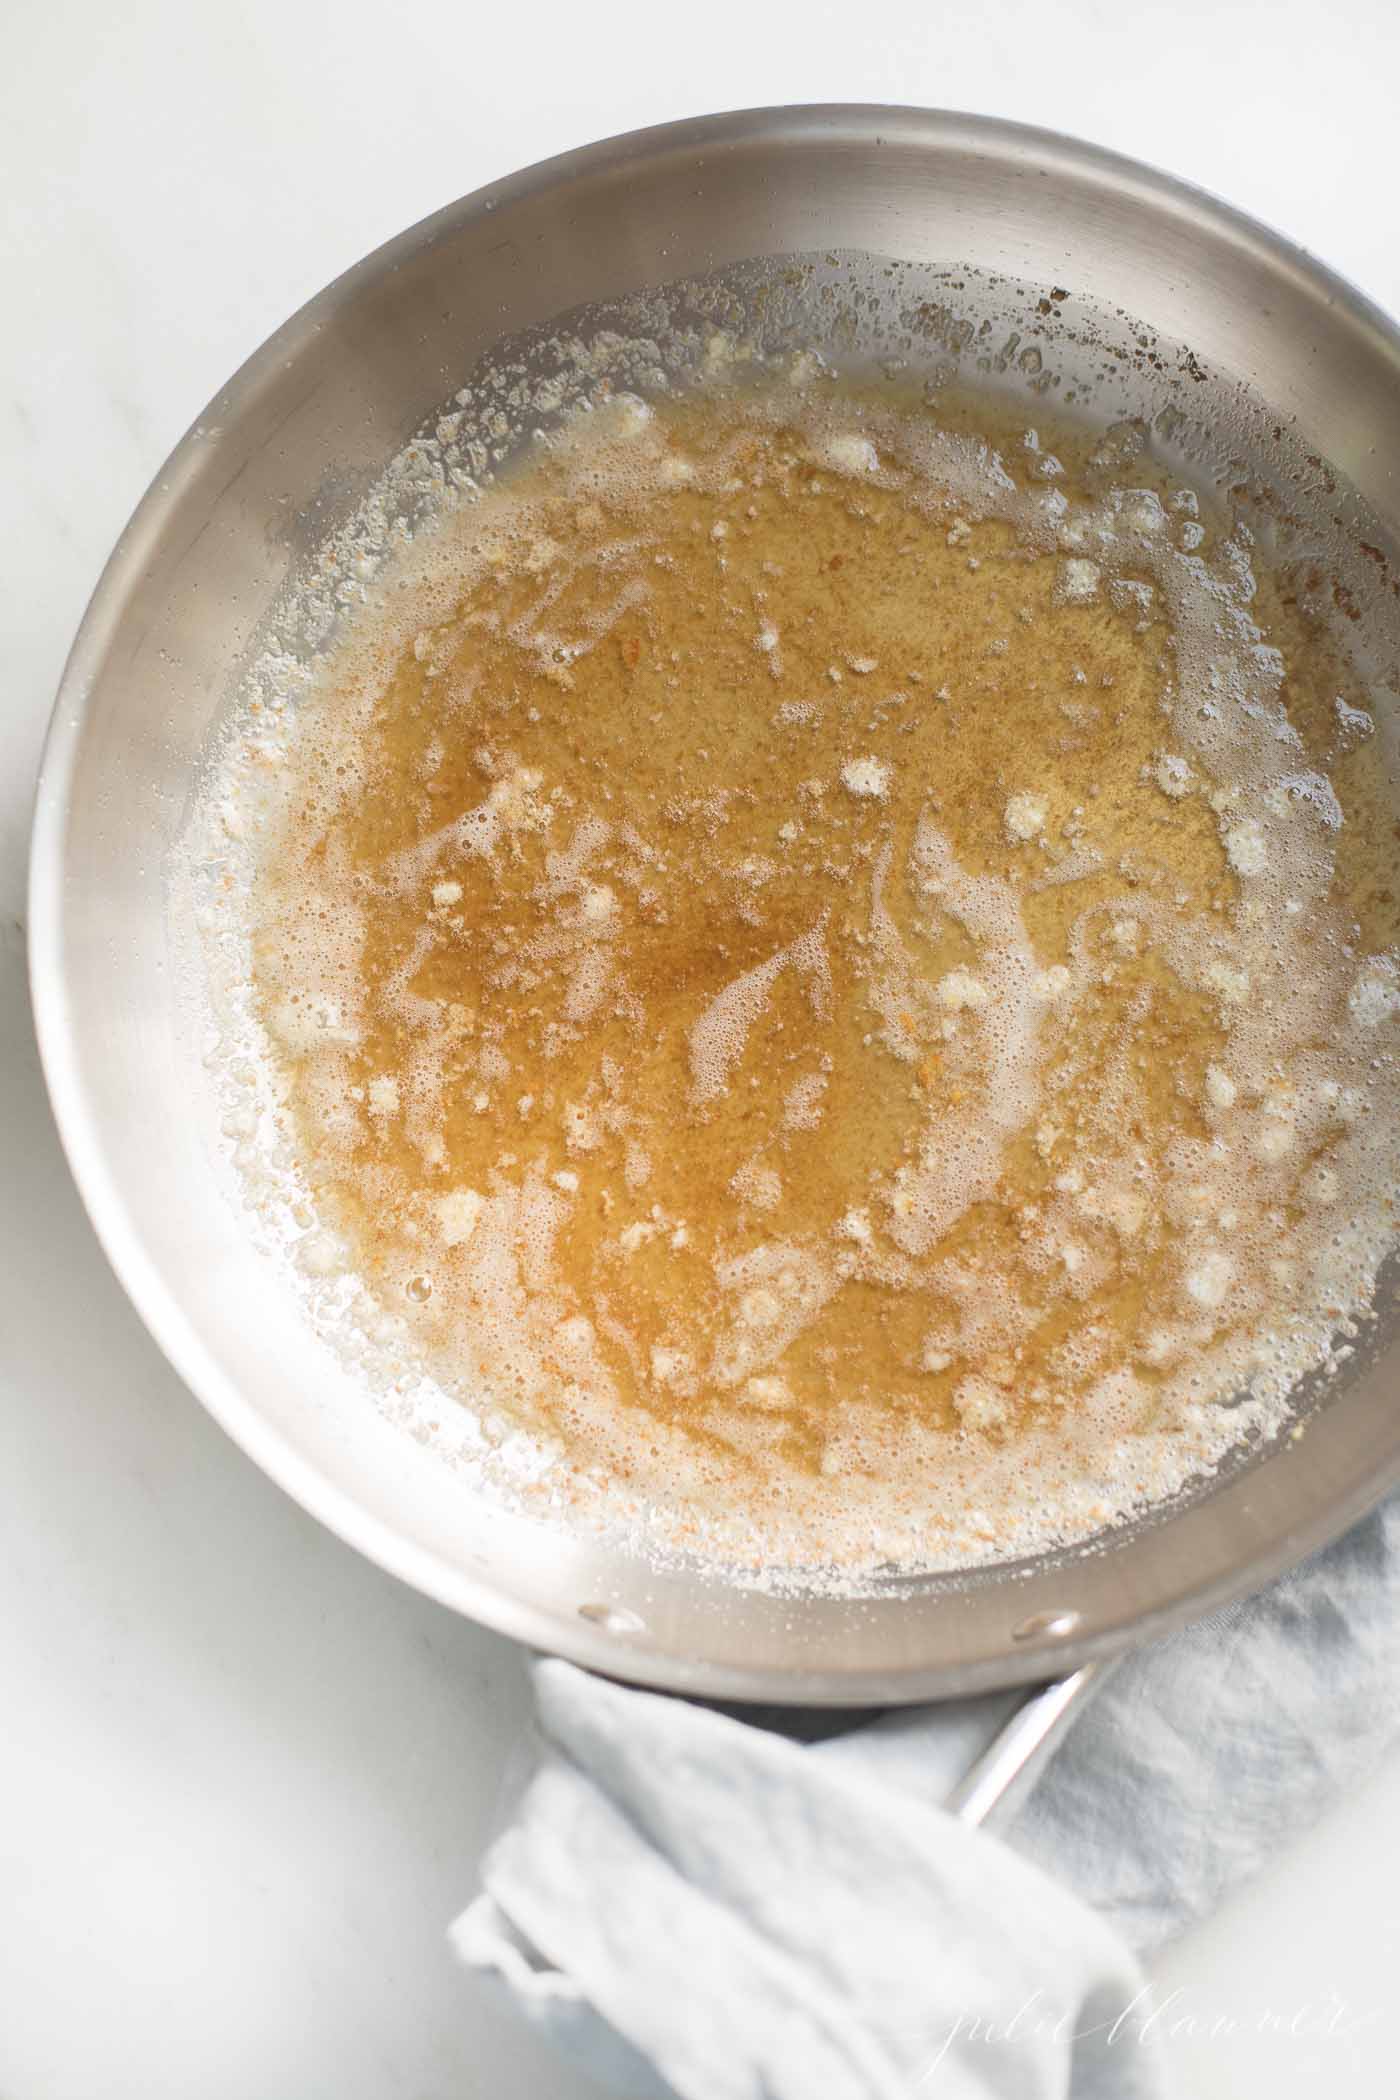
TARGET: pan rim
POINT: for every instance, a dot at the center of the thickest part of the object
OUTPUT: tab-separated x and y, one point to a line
109	1207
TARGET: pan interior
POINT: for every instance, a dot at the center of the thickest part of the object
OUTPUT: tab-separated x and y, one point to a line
800	355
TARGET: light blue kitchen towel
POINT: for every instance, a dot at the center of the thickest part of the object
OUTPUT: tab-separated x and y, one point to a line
692	1905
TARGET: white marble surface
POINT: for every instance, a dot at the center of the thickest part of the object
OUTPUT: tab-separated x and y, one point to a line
243	1776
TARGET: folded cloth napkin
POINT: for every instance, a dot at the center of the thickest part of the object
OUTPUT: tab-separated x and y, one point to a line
691	1905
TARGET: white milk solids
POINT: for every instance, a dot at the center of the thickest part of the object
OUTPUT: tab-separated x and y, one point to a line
830	972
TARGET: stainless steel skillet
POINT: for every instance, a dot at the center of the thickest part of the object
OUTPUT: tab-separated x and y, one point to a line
281	456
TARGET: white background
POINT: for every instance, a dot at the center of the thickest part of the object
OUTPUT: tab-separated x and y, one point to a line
243	1776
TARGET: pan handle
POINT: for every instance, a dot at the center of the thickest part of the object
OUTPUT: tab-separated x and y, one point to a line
1000	1776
